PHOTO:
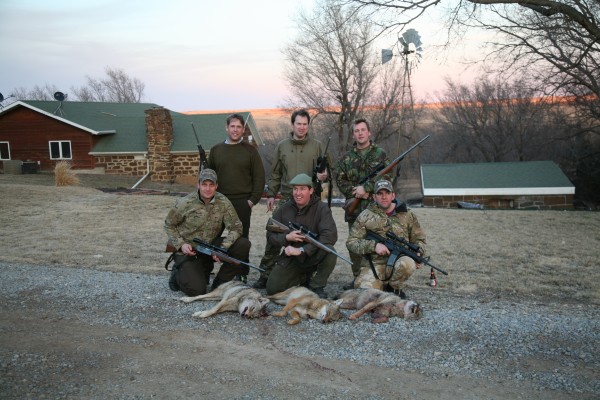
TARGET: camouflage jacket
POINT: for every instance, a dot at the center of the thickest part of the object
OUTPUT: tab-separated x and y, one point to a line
316	217
190	218
402	224
354	166
292	157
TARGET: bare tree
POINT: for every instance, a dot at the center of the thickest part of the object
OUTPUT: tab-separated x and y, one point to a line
331	65
45	92
557	42
117	87
491	121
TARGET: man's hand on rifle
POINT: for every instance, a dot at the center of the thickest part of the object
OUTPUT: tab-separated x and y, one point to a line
294	236
382	250
359	192
188	250
322	176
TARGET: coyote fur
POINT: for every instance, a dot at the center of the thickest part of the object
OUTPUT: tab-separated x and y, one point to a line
382	305
301	302
233	296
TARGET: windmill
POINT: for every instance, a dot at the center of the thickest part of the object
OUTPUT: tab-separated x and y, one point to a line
410	49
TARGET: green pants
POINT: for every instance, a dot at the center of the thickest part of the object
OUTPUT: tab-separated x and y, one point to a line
314	272
268	260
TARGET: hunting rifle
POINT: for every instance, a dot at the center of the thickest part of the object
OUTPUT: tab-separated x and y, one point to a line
275	226
379	170
399	247
320	167
203	162
210	250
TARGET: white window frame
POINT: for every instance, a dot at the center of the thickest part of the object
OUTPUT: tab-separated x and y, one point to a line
8	147
60	149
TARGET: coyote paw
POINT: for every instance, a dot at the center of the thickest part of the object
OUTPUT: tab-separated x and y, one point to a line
279	314
186	299
201	314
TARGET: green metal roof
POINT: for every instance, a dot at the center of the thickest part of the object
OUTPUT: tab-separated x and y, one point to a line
529	177
122	126
209	127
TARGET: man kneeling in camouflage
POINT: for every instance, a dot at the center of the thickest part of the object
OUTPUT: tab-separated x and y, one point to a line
382	216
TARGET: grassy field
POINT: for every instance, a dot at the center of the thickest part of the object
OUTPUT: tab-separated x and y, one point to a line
546	255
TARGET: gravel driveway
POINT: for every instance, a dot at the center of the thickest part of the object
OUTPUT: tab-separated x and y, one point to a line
79	333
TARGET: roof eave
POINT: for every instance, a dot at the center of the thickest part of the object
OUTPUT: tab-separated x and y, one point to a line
526	191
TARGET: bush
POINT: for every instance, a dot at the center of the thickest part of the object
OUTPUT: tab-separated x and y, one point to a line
64	175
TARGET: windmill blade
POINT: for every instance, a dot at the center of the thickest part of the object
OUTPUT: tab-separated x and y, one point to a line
386	55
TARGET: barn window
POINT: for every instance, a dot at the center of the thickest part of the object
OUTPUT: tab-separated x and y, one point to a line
60	150
4	151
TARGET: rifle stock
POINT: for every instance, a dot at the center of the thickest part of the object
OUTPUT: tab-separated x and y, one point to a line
380	170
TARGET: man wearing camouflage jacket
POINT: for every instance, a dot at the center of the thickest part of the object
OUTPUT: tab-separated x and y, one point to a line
385	215
203	214
354	166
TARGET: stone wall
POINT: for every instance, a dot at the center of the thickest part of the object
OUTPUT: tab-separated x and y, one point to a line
558	202
122	165
159	132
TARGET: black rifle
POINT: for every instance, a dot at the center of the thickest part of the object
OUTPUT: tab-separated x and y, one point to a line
380	169
203	162
310	237
210	249
400	247
320	167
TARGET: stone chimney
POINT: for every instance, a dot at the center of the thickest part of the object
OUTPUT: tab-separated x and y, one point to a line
159	132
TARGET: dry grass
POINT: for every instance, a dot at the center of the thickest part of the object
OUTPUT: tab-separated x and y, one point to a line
546	255
64	175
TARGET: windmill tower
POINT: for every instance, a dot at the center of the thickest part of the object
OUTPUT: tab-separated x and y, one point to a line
410	49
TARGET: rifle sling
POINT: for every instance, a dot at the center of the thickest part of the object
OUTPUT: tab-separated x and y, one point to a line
368	256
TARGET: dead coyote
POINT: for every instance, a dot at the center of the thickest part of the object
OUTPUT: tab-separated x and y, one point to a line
301	302
234	296
382	305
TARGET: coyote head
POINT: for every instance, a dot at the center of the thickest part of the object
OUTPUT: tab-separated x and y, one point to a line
330	311
253	308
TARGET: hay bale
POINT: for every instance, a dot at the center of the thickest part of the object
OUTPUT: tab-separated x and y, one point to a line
64	175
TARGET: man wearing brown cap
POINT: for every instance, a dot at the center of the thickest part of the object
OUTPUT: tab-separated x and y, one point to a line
203	214
385	215
302	263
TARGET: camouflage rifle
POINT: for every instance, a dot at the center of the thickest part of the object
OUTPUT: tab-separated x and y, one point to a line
379	170
210	250
399	247
275	226
203	162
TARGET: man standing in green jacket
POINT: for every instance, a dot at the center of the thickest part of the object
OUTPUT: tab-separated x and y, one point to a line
293	156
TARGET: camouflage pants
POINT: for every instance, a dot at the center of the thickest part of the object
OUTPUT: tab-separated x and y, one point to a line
403	269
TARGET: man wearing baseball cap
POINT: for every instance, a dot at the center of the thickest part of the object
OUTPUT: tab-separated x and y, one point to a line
302	263
203	214
386	214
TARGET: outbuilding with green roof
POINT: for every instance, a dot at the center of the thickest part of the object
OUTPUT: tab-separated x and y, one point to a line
515	185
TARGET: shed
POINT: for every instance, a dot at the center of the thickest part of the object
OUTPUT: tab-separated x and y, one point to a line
509	185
